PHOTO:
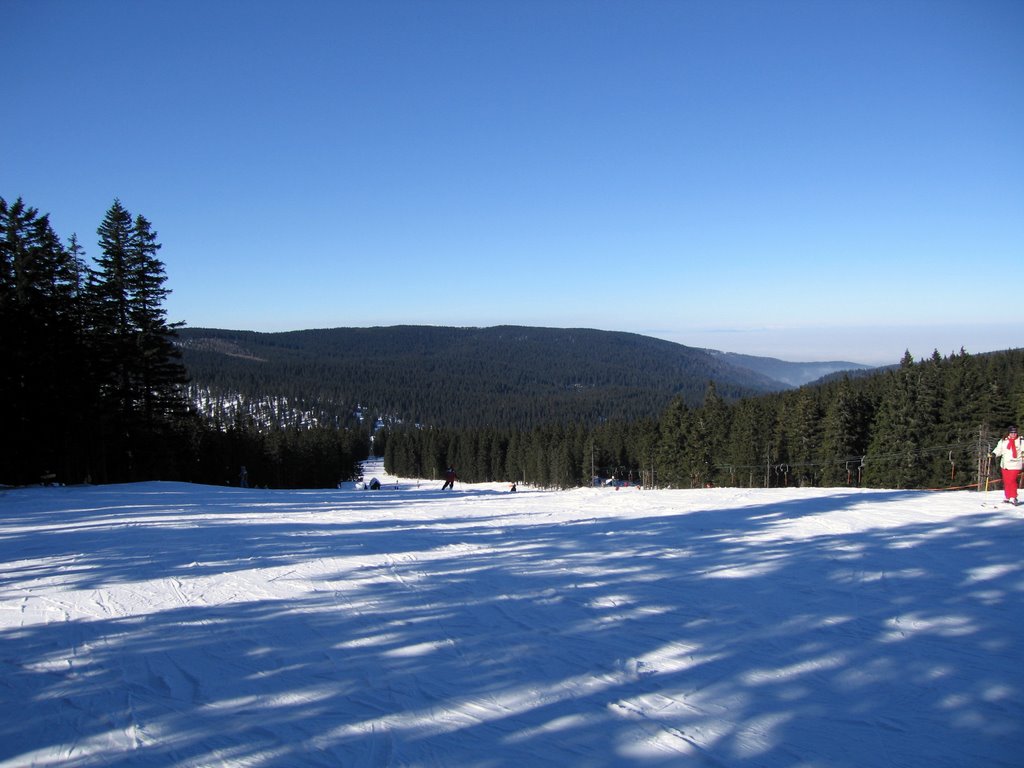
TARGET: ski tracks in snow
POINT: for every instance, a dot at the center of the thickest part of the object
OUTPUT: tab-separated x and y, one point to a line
481	629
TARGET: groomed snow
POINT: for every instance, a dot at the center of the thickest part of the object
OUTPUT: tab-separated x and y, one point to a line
166	624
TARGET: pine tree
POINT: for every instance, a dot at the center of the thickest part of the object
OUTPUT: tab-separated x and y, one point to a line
707	439
751	437
805	436
894	455
643	441
160	373
672	469
843	441
963	417
44	383
142	383
931	429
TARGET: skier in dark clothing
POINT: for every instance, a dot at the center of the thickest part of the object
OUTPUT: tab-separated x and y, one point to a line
449	479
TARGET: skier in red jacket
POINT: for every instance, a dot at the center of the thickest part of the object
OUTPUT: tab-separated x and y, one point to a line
1010	451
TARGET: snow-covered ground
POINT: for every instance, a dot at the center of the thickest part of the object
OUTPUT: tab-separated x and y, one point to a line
165	624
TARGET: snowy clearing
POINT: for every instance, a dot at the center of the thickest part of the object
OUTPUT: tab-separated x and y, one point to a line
166	624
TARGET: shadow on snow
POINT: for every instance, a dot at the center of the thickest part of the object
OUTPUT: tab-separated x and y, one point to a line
672	639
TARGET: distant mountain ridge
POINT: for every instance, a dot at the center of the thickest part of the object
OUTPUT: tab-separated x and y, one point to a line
502	376
790	374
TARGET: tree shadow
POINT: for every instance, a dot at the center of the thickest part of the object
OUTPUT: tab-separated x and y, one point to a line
154	530
709	637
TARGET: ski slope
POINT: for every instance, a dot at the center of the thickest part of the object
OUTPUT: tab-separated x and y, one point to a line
166	624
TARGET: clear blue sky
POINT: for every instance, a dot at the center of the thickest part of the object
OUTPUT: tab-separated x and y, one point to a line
841	179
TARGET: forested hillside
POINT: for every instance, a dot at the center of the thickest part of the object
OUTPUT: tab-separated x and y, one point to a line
504	377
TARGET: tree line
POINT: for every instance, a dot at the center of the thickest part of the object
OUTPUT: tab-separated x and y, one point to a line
926	424
97	392
93	379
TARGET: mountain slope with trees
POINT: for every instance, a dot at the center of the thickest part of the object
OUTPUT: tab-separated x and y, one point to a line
504	376
788	373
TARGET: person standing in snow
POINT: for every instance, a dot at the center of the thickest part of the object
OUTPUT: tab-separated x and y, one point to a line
1010	451
449	479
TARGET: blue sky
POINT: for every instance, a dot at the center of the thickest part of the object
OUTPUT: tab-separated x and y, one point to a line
797	179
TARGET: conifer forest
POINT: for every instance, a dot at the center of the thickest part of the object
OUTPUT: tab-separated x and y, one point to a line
98	390
93	380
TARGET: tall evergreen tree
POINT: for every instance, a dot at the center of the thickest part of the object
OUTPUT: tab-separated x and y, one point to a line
894	455
43	380
805	436
643	443
932	428
707	439
751	437
963	417
133	343
109	320
160	373
672	469
844	434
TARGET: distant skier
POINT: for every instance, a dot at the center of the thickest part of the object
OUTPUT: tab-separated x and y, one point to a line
243	478
1010	451
449	479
